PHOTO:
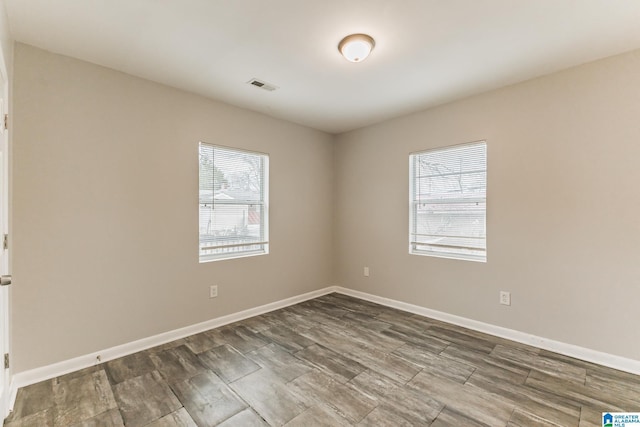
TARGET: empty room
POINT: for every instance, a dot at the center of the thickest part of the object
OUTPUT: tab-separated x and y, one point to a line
320	213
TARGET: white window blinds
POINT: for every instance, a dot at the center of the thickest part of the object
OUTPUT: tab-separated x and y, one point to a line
233	199
448	202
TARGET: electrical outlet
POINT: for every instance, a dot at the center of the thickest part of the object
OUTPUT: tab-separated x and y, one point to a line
366	272
213	291
505	298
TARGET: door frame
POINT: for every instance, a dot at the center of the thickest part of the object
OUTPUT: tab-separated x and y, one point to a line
6	394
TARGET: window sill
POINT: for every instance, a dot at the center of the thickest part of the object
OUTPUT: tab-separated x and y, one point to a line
225	257
458	257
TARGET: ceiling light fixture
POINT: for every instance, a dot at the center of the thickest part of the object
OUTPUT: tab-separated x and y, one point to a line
356	47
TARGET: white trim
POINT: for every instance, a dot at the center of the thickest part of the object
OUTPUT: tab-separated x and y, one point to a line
33	376
43	373
594	356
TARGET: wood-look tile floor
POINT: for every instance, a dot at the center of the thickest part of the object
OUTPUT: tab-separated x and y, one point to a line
333	361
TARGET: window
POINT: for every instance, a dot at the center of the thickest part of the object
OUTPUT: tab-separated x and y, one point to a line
233	198
448	202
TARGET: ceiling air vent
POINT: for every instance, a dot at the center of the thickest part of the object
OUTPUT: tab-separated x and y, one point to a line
262	85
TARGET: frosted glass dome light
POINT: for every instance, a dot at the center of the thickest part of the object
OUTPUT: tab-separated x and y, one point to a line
356	47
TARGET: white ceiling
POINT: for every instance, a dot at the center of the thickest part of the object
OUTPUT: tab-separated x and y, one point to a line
427	51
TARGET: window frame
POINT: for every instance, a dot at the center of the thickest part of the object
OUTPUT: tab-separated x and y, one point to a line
263	203
414	202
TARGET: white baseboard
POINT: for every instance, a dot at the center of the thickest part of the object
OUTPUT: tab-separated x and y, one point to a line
582	353
43	373
33	376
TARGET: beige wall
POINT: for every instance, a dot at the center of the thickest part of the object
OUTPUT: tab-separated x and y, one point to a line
563	222
105	212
